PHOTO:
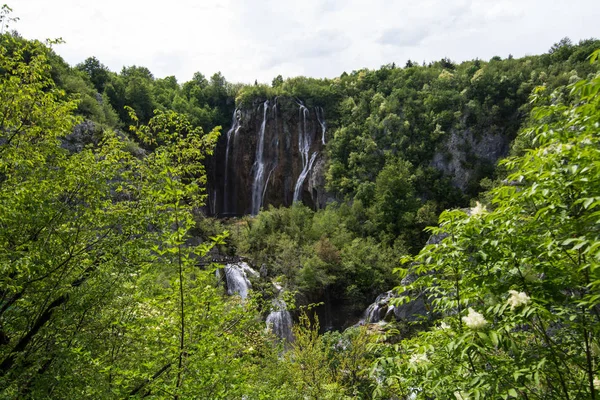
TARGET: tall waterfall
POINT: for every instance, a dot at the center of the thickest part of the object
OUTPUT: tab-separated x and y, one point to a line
304	143
279	321
213	202
235	127
259	165
321	118
236	278
273	151
270	154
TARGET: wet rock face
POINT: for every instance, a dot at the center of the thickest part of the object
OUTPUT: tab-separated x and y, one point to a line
383	310
271	155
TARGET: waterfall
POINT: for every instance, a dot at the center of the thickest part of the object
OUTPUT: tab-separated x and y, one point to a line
274	151
235	127
304	142
379	310
321	119
383	310
236	277
259	165
267	183
213	202
279	321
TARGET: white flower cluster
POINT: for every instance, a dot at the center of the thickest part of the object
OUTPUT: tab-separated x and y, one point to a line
517	299
479	209
596	383
474	320
419	358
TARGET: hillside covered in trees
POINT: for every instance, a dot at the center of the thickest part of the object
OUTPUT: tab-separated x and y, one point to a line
471	189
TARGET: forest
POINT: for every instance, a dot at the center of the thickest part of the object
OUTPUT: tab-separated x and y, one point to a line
453	251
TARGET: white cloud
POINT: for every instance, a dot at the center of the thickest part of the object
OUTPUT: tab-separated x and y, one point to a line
322	38
403	37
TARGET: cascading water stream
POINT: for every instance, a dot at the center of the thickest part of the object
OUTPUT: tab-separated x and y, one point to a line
274	146
266	184
279	321
259	165
321	119
379	309
304	143
235	127
236	278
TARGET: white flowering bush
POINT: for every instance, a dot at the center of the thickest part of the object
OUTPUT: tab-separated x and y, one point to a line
474	320
517	289
479	209
517	299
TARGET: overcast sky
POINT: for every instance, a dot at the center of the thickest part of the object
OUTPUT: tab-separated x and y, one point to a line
248	40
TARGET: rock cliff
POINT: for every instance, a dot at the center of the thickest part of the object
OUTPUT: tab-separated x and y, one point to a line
467	157
272	154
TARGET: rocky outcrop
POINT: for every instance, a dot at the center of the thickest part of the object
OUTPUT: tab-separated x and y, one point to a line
467	157
316	184
383	309
84	134
272	154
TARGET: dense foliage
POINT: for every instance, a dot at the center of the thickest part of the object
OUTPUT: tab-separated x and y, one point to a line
319	254
99	296
103	295
394	133
516	287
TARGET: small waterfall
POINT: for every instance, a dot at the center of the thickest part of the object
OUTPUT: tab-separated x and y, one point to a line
383	309
304	143
321	119
235	127
279	321
380	310
236	277
213	201
267	184
259	165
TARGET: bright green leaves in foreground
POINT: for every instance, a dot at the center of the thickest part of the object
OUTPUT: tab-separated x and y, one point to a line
517	288
100	295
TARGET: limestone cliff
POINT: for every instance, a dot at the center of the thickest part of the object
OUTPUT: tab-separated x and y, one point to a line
272	154
466	157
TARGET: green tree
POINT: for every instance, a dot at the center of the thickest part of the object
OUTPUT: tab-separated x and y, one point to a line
277	81
96	71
